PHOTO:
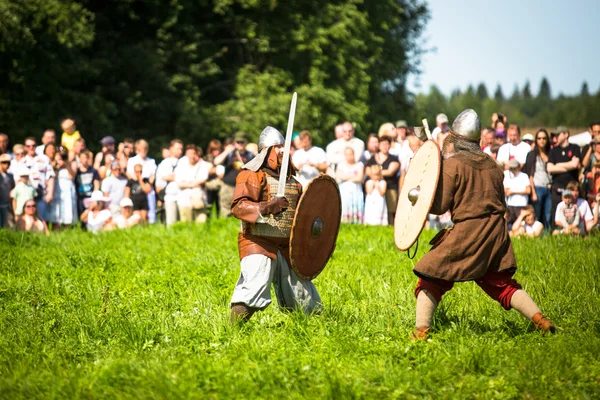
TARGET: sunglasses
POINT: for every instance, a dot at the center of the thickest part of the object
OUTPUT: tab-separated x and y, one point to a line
4	162
30	206
29	146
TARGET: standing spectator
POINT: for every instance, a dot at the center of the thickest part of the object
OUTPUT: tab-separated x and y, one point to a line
87	180
96	216
401	129
19	155
7	184
126	217
441	122
148	172
49	137
539	178
592	183
105	169
499	127
63	209
563	165
114	187
30	220
567	215
388	129
529	139
591	152
372	148
50	152
76	150
4	145
487	139
108	148
191	177
349	175
42	176
23	191
233	157
494	151
70	134
137	190
517	189
375	207
526	224
413	144
336	149
587	217
514	149
309	160
166	186
128	148
389	169
213	185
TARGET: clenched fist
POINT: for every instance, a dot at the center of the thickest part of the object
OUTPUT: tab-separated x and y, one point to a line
274	206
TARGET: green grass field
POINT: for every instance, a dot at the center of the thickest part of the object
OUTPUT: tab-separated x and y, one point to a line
144	314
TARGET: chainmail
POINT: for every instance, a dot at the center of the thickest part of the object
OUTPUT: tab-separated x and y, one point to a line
468	150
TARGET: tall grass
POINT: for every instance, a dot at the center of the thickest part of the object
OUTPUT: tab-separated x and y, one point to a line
144	314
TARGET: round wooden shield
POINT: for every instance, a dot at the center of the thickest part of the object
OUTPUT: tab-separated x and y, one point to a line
417	194
315	227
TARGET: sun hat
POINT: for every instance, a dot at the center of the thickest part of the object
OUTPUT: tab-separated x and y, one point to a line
97	195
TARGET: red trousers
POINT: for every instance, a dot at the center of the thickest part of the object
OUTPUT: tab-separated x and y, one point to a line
500	286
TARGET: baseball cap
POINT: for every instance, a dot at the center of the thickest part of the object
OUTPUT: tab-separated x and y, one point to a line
441	118
561	129
107	140
240	136
513	163
114	164
401	124
5	157
528	136
126	202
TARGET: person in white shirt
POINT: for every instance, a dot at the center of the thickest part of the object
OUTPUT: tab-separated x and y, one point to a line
526	224
517	189
126	218
42	176
335	149
310	161
166	186
514	149
48	137
114	187
148	172
191	177
441	122
96	217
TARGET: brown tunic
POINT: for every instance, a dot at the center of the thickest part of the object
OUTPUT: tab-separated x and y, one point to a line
251	189
479	240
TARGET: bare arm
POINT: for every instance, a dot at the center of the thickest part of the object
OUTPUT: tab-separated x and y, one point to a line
221	157
534	197
587	157
50	189
391	170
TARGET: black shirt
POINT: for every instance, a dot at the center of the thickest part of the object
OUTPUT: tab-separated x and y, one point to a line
560	155
7	183
84	182
391	181
137	195
234	164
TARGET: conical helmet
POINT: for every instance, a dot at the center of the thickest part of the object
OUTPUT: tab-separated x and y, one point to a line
467	125
270	137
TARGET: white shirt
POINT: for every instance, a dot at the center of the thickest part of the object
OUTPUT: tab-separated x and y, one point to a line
115	187
518	182
584	210
396	148
96	222
121	222
335	149
314	155
148	166
187	172
531	229
508	151
167	167
41	170
406	154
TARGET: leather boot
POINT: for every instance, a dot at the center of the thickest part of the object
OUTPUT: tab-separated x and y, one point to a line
543	324
241	313
419	334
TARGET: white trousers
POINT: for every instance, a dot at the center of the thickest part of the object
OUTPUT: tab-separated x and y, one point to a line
253	288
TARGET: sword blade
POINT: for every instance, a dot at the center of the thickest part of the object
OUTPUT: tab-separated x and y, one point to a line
426	126
286	150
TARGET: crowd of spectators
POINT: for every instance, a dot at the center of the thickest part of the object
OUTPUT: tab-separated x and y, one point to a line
550	184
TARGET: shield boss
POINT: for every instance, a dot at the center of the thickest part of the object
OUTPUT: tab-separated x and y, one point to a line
417	194
315	227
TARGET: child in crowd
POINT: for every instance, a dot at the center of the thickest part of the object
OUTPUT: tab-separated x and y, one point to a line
587	217
567	215
375	206
526	224
23	191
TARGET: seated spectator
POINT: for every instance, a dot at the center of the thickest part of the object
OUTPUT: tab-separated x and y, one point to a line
526	224
349	175
375	207
29	221
96	216
114	187
23	191
62	211
191	177
126	217
137	190
517	189
7	184
70	134
87	180
567	215
586	222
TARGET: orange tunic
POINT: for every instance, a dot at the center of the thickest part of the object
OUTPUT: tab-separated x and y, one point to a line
479	240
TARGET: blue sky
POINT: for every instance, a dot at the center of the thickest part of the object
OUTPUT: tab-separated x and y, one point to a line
509	42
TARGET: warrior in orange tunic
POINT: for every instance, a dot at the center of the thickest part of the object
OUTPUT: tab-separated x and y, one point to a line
264	240
478	247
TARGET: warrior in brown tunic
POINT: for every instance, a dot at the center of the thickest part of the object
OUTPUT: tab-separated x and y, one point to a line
478	246
264	238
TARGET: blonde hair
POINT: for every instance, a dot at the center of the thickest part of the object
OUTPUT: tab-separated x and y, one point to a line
386	129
